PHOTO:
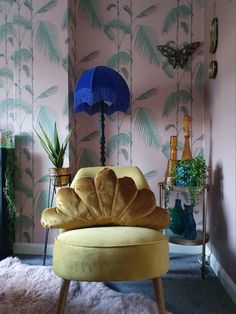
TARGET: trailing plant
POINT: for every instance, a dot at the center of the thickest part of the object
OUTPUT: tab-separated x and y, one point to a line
192	174
9	193
54	149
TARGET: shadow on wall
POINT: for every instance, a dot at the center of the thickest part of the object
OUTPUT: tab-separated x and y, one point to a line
218	224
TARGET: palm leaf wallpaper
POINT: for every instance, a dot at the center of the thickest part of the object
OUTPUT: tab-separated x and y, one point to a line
46	45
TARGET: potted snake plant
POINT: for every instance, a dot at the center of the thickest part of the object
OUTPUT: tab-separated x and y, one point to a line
55	150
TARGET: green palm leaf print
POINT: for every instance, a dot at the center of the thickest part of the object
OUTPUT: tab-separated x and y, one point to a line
145	126
177	97
177	13
46	41
145	44
88	8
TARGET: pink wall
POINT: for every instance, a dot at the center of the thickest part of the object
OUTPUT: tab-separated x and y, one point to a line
220	130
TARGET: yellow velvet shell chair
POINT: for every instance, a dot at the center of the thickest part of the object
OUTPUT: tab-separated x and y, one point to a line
110	230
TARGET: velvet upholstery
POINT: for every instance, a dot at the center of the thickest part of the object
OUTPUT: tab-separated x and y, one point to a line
105	200
109	253
108	218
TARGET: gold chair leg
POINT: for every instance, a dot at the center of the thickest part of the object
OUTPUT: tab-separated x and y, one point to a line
65	284
157	284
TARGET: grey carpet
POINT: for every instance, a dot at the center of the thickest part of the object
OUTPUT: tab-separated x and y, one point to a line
185	291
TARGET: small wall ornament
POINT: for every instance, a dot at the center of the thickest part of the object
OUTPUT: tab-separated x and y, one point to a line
213	44
178	57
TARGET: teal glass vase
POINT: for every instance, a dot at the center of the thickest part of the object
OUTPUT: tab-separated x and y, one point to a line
177	218
190	228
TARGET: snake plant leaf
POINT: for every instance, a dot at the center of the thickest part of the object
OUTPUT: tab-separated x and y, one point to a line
56	139
89	10
87	158
145	126
21	55
46	41
90	136
91	56
175	98
47	7
150	10
6	30
48	92
145	44
22	21
116	141
118	59
7	73
47	144
175	14
149	93
45	116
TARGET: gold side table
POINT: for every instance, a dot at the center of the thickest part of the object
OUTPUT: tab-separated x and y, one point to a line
202	235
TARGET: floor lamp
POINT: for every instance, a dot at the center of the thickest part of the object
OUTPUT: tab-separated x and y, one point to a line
101	89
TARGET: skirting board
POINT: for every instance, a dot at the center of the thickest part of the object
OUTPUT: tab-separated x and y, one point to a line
225	280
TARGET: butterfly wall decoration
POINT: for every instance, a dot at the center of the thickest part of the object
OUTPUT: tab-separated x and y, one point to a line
178	57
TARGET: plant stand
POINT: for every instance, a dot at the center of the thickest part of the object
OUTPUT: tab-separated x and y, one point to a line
51	193
202	236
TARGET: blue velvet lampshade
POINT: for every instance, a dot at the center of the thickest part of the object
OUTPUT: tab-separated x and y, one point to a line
101	85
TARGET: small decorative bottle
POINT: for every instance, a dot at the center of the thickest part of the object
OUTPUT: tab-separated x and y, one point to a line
187	155
177	218
170	172
190	232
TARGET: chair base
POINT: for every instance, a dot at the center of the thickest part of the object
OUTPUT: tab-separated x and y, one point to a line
157	284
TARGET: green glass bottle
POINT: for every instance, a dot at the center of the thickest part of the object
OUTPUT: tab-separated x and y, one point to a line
177	218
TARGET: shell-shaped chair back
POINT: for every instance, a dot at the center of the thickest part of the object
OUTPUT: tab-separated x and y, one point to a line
102	196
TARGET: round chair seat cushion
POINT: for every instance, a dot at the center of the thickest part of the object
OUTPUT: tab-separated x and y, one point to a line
111	253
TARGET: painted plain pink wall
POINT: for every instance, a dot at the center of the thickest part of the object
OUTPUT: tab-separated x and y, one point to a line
220	130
